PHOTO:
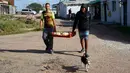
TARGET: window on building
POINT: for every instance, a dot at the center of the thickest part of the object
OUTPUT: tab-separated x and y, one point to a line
113	5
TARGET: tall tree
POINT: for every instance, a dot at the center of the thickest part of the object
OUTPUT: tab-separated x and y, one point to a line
35	6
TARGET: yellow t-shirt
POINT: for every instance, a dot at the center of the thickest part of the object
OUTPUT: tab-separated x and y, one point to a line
48	18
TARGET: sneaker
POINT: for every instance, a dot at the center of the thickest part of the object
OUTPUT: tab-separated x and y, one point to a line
82	50
86	55
51	51
46	49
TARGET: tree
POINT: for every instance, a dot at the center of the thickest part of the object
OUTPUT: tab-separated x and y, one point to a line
35	6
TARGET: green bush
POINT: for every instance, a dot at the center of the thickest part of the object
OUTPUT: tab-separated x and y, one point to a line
10	25
6	17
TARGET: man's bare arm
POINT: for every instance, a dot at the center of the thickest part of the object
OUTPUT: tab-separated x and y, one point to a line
54	23
41	24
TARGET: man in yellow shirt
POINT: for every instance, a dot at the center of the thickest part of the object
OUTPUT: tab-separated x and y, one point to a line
49	26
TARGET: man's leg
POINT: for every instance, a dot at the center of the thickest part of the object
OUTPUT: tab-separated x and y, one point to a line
86	43
82	44
45	39
86	47
50	43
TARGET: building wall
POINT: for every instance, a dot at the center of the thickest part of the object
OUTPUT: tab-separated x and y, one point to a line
4	9
11	9
7	9
102	12
112	16
74	9
92	10
11	2
122	18
128	14
115	15
62	10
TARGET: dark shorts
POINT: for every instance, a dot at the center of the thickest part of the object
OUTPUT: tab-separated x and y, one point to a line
83	34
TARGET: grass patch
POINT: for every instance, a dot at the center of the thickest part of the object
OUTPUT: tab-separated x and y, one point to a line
12	25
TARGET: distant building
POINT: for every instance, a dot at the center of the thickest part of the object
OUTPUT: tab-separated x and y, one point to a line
128	12
11	2
95	9
64	6
7	7
125	12
115	11
110	11
54	8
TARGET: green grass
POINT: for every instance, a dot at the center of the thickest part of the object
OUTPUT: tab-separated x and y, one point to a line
11	25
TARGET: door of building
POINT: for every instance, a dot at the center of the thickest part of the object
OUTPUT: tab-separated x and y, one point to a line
125	13
105	12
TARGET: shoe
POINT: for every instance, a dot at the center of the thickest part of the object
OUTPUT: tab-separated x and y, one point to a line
46	49
86	55
51	51
82	50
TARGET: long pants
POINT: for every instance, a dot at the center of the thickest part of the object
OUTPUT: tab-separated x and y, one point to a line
48	38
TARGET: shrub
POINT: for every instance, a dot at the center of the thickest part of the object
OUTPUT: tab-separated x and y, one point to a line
10	25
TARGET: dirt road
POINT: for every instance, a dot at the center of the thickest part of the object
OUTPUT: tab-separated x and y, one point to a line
24	53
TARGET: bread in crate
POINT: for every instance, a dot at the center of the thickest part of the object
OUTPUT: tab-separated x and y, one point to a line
63	34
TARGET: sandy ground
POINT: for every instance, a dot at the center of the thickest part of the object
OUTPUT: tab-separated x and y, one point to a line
24	53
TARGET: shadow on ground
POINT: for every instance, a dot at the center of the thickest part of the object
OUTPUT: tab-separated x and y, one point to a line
108	33
70	68
40	52
103	31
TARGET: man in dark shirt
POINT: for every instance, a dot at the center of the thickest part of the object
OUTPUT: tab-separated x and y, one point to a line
82	20
70	12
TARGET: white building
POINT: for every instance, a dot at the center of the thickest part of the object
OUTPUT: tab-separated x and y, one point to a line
115	11
6	9
64	6
125	12
128	12
110	11
95	9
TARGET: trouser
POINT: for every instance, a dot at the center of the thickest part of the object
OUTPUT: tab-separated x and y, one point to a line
48	38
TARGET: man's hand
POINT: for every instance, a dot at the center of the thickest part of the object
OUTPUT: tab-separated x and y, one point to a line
41	24
54	23
73	30
41	28
55	29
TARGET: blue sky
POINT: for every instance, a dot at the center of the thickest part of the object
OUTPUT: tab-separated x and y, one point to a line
20	4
